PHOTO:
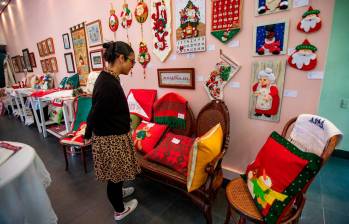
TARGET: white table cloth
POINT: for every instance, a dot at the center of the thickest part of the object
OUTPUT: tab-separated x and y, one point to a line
23	183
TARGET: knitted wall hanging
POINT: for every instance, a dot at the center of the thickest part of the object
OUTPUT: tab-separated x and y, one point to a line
161	28
226	19
311	22
265	7
113	21
220	76
126	19
141	14
190	26
304	58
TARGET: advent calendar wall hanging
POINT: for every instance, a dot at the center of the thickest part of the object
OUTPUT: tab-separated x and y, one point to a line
113	21
304	58
141	14
220	76
190	26
226	19
161	28
270	38
311	22
265	7
126	18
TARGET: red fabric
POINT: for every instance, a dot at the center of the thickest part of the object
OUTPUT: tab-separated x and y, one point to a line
172	155
41	93
76	137
170	105
145	99
309	67
312	30
147	136
274	93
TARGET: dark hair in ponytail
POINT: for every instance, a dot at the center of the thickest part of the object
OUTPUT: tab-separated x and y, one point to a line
114	49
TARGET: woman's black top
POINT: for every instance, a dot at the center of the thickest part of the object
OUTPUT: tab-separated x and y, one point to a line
109	114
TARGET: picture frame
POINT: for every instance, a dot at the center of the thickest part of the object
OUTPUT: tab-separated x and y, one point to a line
14	64
266	90
94	33
45	48
69	62
32	59
267	7
53	63
48	65
40	50
22	63
19	63
66	40
26	59
50	45
97	60
179	78
43	66
273	32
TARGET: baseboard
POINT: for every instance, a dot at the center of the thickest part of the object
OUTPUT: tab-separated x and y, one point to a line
341	154
229	174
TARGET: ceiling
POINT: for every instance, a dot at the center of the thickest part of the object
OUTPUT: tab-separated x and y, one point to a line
3	4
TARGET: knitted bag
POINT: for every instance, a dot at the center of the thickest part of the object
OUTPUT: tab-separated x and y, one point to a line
171	110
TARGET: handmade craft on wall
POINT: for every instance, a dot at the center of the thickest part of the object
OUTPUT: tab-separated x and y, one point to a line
311	22
94	33
113	21
226	19
80	51
126	18
220	76
304	57
265	7
270	38
190	26
141	14
267	83
161	28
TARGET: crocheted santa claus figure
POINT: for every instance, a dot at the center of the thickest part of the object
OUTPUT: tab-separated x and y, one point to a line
304	58
311	22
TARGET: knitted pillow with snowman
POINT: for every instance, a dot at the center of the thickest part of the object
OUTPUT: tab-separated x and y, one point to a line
279	172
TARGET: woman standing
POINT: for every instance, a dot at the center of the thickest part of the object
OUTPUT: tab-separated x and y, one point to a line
109	120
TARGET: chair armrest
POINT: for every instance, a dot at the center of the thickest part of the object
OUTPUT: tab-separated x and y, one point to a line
210	168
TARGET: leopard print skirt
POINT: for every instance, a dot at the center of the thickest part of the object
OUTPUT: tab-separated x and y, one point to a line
114	158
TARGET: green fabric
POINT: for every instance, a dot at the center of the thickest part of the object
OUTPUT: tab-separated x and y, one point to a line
172	122
225	73
311	12
63	82
135	121
84	105
141	134
74	81
306	47
219	34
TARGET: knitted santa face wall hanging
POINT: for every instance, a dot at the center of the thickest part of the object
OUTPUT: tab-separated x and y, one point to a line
304	58
311	22
141	12
113	20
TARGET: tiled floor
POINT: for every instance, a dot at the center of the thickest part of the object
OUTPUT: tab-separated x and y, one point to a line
78	198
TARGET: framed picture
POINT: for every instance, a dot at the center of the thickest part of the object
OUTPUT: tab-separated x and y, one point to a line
97	61
94	33
78	36
53	63
44	48
267	84
22	63
14	64
43	66
180	78
41	51
270	38
26	59
32	59
48	65
190	26
266	7
50	45
66	41
19	63
69	62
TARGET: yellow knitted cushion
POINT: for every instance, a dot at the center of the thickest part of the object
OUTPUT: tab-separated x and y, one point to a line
204	150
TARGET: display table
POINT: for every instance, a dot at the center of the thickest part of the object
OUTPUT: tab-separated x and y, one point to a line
23	183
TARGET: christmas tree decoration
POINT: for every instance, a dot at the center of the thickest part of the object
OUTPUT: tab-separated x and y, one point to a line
143	56
311	22
126	16
226	19
161	28
265	7
113	20
220	76
141	12
191	27
270	38
304	58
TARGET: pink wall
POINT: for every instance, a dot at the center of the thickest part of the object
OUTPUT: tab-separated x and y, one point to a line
25	22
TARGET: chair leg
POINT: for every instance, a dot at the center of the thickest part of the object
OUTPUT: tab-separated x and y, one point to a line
65	157
227	218
208	214
242	220
83	154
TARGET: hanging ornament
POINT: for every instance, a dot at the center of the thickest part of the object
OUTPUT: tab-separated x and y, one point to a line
113	20
126	16
311	22
143	56
161	22
226	19
304	58
141	12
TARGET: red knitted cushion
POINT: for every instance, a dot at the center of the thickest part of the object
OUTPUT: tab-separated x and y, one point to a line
147	135
173	152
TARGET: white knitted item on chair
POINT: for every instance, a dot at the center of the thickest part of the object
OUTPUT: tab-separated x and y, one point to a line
311	133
